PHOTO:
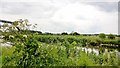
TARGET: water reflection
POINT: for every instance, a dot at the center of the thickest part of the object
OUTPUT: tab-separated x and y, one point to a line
90	50
98	51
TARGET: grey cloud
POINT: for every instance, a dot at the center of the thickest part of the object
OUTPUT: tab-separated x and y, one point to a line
15	8
103	5
106	6
37	10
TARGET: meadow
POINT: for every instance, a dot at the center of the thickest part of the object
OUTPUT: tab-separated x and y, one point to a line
34	49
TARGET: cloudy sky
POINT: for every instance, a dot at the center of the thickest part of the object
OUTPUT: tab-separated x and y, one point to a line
64	15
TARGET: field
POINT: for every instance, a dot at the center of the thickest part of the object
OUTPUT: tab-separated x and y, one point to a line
33	49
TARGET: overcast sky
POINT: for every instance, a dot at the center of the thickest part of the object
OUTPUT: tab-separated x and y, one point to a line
64	15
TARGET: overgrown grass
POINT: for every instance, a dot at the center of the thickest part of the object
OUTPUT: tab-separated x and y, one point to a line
63	54
0	61
6	52
54	50
0	56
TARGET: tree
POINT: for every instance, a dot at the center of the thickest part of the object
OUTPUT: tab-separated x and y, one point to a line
118	36
102	36
64	33
74	33
111	36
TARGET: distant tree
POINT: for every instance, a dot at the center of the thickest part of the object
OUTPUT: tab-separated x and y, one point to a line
64	33
84	34
58	34
48	33
40	32
96	34
118	36
102	35
111	36
74	33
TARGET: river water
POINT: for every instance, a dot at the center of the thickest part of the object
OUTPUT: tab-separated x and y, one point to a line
97	51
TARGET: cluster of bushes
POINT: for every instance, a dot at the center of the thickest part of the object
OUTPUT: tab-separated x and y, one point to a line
80	40
103	36
61	39
36	50
34	53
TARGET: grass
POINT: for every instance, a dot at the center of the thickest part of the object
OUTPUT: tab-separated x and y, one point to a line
52	54
6	51
0	61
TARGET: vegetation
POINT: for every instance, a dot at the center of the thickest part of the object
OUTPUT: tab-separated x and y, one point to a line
111	36
64	33
102	35
74	33
31	48
31	52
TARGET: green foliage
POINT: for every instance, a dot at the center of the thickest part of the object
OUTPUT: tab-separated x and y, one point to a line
80	40
0	56
53	50
102	36
118	35
65	54
64	33
32	54
0	61
111	36
24	54
74	33
7	52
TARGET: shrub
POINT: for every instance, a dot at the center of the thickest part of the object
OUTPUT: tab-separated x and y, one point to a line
102	35
74	33
64	33
111	36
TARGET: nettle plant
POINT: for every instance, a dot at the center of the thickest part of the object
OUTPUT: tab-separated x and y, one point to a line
25	54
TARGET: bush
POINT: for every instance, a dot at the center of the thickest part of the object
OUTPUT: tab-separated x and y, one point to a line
74	33
64	33
102	35
111	36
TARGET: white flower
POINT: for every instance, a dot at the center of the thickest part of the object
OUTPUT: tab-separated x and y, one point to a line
11	36
24	36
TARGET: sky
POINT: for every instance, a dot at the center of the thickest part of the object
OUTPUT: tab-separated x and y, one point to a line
58	16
